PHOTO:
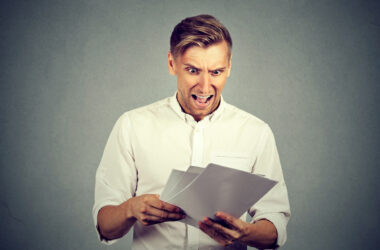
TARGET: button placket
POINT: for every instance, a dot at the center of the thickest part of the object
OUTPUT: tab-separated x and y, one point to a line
196	160
197	156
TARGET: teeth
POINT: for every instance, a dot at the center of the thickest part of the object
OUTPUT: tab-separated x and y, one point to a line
203	97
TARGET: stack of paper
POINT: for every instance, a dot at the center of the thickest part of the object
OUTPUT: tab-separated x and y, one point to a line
201	192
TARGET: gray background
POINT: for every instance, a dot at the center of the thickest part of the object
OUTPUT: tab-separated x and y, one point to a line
69	69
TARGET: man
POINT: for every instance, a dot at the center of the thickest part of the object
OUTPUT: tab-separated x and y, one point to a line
194	127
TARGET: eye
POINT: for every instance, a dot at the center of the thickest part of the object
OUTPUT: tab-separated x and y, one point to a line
192	70
216	72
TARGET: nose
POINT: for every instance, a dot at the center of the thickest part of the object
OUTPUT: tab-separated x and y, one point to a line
204	83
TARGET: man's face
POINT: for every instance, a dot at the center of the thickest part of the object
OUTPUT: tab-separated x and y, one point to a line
201	76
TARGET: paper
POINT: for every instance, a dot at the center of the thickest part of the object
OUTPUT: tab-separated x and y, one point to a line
174	178
178	180
203	192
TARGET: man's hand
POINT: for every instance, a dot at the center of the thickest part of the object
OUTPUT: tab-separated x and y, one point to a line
149	210
116	221
236	229
262	234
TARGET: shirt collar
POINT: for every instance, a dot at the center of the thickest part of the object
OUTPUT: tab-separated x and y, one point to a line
174	104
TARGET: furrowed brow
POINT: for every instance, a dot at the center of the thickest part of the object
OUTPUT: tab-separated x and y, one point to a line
192	66
222	69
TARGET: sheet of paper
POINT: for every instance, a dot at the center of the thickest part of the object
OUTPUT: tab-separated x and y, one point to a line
219	188
174	178
178	180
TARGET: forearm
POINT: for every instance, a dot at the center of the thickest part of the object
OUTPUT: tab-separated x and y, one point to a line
115	221
262	234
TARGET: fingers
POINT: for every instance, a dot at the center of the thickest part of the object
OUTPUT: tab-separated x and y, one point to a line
231	221
148	209
215	234
235	231
163	214
162	205
149	219
230	234
163	209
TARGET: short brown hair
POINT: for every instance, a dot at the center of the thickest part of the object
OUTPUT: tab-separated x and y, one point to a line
201	30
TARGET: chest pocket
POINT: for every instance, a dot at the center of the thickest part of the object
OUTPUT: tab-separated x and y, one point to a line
236	160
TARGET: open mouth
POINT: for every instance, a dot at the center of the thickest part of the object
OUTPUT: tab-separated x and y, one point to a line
202	100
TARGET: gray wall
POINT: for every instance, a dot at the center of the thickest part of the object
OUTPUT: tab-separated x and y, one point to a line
70	68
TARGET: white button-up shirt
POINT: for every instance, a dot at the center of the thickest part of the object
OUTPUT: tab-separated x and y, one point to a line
147	143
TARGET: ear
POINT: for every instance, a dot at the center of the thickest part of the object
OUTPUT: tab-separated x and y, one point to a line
229	66
171	64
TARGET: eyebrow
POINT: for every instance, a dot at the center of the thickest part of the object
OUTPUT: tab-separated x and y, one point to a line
192	66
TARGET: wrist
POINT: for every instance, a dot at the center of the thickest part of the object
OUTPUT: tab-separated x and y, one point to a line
250	232
127	209
260	234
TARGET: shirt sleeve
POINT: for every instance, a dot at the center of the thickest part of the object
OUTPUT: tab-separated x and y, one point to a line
116	176
274	206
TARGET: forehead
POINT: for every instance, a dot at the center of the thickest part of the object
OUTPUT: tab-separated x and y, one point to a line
212	55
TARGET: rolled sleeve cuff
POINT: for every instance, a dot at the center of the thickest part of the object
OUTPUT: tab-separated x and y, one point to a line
95	212
279	221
